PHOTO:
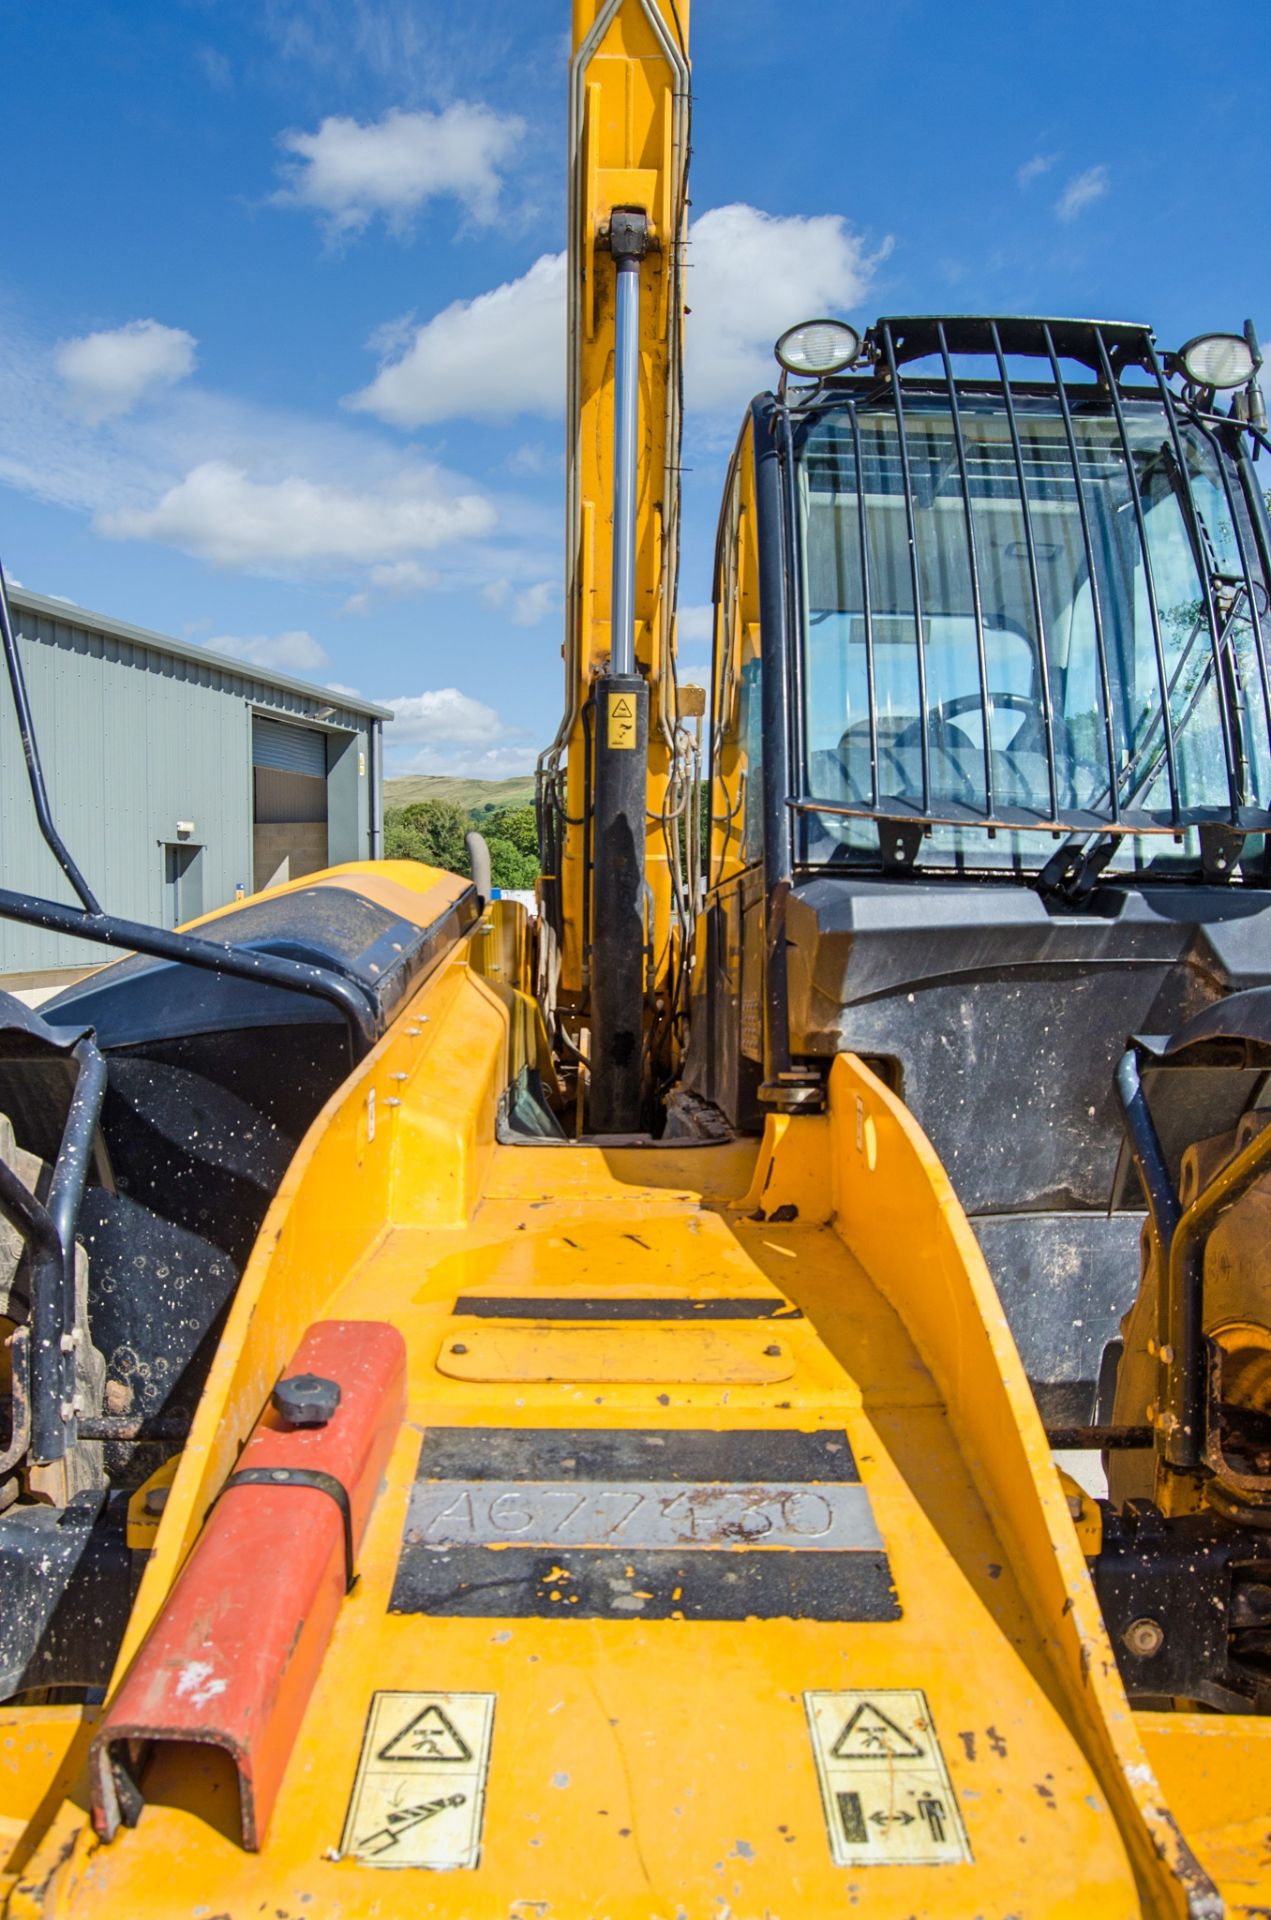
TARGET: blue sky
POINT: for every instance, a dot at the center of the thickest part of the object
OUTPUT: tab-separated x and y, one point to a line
280	296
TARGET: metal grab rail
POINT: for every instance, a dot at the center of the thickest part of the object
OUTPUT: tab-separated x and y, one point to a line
31	749
297	976
44	1359
47	1358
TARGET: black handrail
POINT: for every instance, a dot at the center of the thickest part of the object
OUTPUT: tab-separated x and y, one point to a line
296	976
45	1271
31	749
66	1192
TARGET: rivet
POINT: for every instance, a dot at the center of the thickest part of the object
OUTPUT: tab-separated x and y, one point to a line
458	1347
773	1352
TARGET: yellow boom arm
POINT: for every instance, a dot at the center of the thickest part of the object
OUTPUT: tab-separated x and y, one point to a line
628	146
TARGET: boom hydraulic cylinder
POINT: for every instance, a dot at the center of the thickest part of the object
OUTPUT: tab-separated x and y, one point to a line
622	738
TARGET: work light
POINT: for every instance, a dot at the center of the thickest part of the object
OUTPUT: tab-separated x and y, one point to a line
1217	360
818	347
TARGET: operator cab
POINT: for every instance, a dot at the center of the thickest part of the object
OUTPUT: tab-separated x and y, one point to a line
991	762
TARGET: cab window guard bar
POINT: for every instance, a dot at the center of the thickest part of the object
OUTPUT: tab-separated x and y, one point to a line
1107	349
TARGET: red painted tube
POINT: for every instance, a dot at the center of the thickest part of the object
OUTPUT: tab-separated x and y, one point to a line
232	1659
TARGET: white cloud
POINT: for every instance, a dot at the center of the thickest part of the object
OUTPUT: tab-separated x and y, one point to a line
107	373
348	172
500	354
444	716
695	626
464	763
1081	192
527	459
533	604
217	70
218	513
403	577
1034	169
752	274
293	652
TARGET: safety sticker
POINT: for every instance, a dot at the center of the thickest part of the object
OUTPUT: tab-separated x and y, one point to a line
884	1784
622	720
420	1789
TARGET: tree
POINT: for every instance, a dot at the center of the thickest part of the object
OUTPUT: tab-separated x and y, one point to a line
516	825
430	830
509	867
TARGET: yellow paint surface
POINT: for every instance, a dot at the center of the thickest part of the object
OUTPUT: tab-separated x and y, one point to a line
642	1767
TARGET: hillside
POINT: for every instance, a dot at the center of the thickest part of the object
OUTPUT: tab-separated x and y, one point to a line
474	796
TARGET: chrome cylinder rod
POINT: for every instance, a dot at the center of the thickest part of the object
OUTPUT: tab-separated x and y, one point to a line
628	240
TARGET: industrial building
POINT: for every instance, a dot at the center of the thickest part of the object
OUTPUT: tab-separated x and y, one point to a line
179	778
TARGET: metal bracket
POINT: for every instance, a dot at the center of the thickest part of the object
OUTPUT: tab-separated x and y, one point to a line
898	843
1221	848
304	1477
628	234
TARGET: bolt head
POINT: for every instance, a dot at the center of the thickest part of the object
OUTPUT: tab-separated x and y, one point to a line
1144	1638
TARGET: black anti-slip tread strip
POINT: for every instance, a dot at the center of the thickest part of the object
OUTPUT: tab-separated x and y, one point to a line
501	1306
612	1584
746	1457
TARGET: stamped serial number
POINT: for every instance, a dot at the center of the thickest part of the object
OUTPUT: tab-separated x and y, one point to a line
447	1513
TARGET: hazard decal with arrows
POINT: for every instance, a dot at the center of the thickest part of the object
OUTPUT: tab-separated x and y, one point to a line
419	1794
885	1788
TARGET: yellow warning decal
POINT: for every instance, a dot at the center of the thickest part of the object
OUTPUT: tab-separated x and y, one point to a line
420	1789
622	720
884	1784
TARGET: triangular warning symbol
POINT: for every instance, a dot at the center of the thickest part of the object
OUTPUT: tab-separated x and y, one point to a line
620	708
870	1735
431	1735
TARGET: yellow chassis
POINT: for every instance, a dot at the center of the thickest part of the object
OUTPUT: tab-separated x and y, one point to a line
642	1767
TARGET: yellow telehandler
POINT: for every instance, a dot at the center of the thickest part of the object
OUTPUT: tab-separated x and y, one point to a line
524	1417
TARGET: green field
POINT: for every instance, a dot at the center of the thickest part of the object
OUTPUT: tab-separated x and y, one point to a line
474	796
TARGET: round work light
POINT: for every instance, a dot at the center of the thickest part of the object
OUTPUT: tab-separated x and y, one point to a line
818	347
1217	360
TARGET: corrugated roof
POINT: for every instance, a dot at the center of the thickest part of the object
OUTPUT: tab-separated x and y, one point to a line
52	608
